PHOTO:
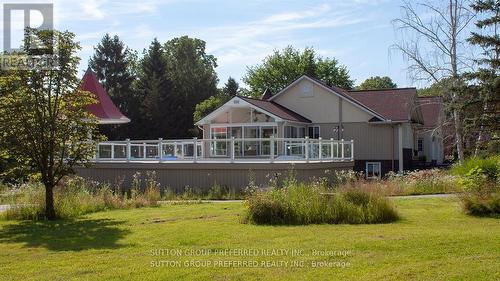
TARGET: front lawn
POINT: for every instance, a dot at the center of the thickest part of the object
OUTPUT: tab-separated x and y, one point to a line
434	240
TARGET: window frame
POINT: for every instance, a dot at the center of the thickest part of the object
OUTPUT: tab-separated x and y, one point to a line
311	136
379	164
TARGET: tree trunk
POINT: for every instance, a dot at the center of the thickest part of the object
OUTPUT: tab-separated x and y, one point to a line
458	135
50	212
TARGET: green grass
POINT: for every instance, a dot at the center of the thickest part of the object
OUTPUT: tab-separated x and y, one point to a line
434	240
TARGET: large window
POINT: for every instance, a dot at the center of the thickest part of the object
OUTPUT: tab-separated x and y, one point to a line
219	148
313	132
373	170
242	147
420	145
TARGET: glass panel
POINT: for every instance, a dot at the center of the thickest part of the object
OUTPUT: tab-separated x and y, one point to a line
151	151
188	150
199	149
336	148
314	150
326	150
251	148
219	148
136	151
347	150
168	150
120	151
237	133
294	148
178	151
104	151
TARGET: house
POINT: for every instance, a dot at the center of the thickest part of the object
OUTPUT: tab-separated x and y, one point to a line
390	128
310	127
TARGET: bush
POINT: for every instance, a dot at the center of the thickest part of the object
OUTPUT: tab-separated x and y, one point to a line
477	205
301	204
480	178
76	197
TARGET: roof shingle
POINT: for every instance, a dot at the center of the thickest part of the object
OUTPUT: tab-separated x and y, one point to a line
277	110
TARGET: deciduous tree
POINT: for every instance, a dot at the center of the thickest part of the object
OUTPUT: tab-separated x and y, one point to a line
43	116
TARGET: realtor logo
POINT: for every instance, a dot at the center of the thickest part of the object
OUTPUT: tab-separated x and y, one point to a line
34	53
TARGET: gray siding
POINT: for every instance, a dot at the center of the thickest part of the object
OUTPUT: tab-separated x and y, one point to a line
370	141
204	175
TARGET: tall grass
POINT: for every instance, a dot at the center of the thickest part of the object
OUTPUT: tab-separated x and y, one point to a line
300	204
76	197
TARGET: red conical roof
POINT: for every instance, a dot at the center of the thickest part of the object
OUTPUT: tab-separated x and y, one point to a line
105	110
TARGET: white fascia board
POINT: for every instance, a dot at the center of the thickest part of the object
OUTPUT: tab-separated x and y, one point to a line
230	104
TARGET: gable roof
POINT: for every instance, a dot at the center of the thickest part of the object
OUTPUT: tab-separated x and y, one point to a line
431	108
393	104
273	109
277	109
343	93
105	110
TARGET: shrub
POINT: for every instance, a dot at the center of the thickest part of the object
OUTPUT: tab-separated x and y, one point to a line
480	178
311	204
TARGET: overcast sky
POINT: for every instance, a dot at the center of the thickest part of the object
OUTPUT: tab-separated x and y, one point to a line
358	33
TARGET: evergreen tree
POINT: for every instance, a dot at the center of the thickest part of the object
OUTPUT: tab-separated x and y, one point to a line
231	88
154	93
114	65
483	111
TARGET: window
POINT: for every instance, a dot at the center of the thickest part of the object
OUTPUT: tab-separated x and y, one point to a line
313	132
306	90
420	145
295	132
373	170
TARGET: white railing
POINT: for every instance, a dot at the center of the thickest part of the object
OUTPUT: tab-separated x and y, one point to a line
234	149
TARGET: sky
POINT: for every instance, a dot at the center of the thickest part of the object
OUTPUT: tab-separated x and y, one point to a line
358	33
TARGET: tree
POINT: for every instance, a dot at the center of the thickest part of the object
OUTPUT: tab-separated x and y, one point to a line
377	82
202	109
155	95
283	67
43	116
193	76
114	65
231	88
432	36
485	105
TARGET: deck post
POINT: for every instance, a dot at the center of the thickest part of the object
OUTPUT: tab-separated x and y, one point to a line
112	151
232	149
160	149
342	152
307	148
195	149
331	148
272	149
320	148
352	150
128	150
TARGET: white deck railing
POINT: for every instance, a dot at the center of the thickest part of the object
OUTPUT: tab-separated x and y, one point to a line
222	150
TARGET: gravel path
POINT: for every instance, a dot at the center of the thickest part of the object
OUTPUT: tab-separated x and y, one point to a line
424	196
